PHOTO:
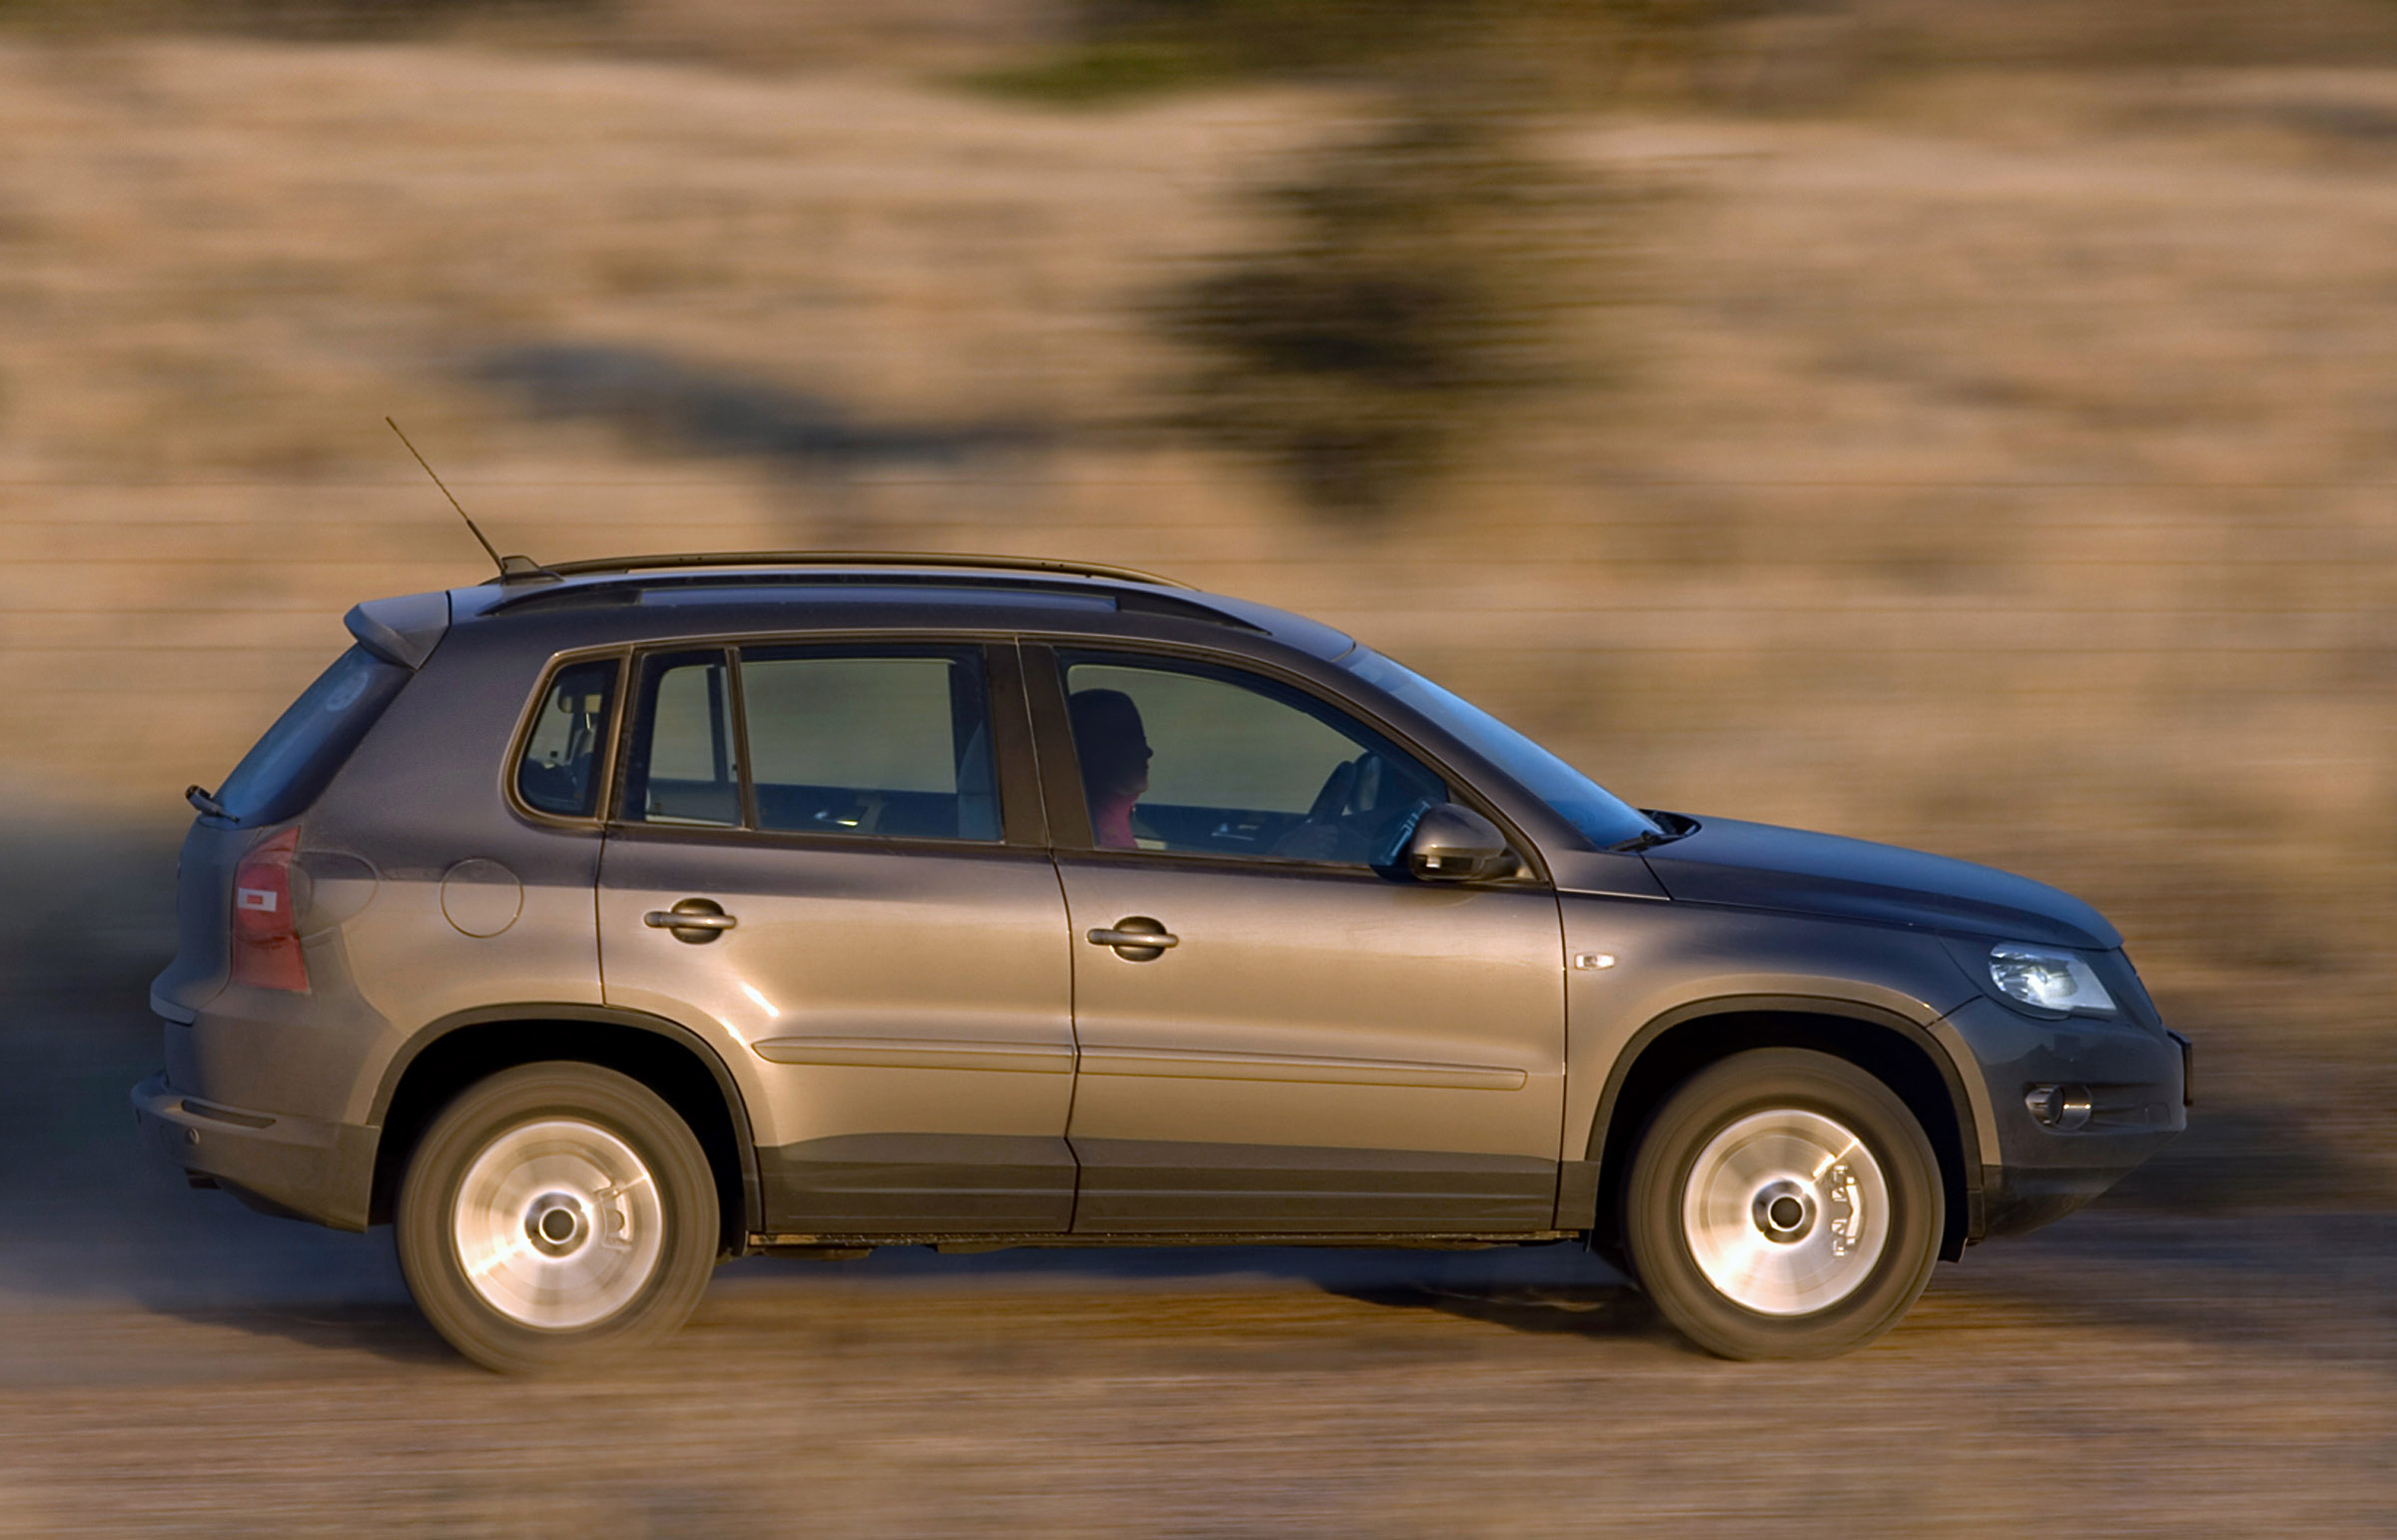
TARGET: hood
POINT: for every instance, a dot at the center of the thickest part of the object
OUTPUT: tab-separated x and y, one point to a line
1758	866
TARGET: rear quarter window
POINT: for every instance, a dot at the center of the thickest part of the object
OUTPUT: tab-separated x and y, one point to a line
287	769
558	772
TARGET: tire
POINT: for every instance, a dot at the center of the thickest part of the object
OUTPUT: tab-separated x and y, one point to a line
1784	1204
527	1232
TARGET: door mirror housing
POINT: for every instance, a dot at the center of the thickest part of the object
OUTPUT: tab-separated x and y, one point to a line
1456	843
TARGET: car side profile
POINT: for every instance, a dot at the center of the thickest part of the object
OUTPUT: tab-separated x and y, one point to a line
602	922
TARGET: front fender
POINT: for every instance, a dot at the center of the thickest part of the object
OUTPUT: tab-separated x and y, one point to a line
1674	963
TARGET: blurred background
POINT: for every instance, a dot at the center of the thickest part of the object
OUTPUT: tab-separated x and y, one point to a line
1964	425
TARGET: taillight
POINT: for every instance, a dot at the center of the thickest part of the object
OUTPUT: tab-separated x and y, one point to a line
266	934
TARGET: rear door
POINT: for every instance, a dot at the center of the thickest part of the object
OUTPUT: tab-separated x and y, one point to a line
833	856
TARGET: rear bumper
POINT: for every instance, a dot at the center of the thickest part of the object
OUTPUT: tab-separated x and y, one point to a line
295	1166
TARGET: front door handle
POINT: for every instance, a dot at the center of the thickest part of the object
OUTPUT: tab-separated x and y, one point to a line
694	920
1137	939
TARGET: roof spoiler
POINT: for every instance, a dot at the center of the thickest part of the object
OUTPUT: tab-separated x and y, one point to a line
402	630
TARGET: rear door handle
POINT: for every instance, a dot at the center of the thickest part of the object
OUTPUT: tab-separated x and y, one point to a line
1155	941
1136	938
696	920
667	920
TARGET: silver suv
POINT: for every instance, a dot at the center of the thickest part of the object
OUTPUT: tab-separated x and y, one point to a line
596	924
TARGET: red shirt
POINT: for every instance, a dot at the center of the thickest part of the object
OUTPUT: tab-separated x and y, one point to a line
1110	821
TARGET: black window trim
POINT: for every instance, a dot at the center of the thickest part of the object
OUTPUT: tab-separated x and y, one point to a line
1022	825
1060	779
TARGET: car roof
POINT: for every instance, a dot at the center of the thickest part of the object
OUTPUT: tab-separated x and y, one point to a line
657	596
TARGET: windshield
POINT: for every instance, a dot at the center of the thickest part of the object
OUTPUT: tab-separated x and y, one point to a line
1604	819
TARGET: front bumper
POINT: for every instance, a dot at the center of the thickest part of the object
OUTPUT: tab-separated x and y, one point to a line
2136	1077
295	1166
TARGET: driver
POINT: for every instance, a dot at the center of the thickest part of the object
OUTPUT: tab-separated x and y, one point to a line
1114	748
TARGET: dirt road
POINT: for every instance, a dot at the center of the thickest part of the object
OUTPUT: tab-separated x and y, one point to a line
173	1363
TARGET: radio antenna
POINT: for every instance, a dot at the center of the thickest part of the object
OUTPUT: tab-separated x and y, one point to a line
509	566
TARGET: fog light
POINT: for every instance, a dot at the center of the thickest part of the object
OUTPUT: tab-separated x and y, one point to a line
2062	1108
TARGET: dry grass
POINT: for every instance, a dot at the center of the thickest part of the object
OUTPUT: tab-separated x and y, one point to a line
2003	467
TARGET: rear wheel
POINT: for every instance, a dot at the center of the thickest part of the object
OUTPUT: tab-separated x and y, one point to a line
556	1217
1784	1204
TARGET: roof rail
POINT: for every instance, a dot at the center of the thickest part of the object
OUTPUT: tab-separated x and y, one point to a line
854	558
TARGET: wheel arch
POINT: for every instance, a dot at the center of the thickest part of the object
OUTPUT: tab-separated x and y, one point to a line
1900	1053
452	1052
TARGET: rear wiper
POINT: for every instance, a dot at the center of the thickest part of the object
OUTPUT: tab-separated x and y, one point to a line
198	796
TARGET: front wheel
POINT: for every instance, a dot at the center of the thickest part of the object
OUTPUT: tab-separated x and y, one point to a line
1784	1204
556	1217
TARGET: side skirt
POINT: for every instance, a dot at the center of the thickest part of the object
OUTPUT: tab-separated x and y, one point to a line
857	1246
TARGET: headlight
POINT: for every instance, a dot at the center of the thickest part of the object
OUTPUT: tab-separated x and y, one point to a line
2047	978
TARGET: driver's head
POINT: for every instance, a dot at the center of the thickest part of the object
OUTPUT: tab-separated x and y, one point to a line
1111	743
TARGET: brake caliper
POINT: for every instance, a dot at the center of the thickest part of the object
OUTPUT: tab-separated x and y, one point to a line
1846	1208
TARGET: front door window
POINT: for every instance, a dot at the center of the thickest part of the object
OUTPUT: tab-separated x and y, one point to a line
1198	760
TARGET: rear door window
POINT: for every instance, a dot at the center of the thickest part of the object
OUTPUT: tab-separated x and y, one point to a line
889	743
283	773
685	766
875	741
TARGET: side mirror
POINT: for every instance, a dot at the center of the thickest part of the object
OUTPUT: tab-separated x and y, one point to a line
1456	843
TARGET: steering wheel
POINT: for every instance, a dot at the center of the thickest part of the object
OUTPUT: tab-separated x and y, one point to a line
1332	800
1323	835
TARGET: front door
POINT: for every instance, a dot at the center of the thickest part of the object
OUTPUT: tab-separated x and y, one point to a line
857	917
1312	1044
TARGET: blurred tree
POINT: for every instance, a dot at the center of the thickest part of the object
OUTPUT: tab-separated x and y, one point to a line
367	18
1434	273
1130	48
1429	278
332	19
